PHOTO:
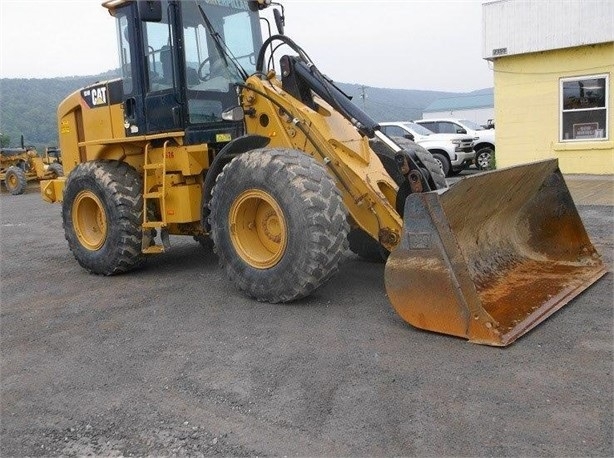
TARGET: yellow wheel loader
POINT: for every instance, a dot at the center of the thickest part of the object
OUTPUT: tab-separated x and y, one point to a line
210	133
20	165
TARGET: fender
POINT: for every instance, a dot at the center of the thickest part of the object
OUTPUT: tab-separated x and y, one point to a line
237	146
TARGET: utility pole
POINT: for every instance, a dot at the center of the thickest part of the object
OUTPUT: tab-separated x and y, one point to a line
363	96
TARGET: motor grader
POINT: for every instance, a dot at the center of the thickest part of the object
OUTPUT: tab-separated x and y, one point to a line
211	133
23	164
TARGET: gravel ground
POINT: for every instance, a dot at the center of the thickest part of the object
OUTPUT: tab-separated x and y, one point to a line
173	361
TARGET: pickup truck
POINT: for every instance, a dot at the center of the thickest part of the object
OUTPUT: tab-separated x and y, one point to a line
484	139
453	152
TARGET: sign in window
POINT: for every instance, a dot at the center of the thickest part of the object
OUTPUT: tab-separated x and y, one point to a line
584	109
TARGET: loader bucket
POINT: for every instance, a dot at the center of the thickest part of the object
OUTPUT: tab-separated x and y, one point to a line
491	257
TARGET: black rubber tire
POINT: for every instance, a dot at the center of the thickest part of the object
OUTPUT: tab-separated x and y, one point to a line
427	159
15	180
386	156
366	247
362	243
204	241
57	169
119	189
314	216
485	158
444	163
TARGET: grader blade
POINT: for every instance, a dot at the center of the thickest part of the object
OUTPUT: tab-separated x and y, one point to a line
491	257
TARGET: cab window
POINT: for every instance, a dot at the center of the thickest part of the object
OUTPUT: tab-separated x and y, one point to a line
211	75
158	45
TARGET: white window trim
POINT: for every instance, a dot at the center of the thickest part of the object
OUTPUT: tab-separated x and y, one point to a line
606	108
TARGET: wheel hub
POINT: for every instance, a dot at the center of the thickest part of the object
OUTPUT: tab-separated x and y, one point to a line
258	229
483	160
89	220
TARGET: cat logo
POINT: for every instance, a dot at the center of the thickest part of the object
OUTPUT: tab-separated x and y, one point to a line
95	96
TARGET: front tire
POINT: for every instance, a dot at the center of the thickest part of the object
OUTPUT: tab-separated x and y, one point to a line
102	213
361	243
368	249
443	162
204	241
15	180
427	159
278	224
56	169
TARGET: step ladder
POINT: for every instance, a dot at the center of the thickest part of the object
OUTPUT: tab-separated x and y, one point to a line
154	190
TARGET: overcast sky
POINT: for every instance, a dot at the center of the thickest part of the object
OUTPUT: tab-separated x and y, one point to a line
404	44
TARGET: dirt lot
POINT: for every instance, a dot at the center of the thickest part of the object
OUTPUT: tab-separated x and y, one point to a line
172	360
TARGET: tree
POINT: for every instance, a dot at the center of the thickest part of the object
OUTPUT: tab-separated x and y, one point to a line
5	140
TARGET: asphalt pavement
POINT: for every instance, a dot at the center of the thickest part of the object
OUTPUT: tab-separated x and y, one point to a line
171	360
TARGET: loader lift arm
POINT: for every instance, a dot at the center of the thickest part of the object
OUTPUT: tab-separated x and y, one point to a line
300	77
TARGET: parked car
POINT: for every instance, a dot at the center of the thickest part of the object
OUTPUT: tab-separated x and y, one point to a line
483	138
453	152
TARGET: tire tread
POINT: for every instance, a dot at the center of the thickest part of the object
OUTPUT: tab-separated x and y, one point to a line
122	189
307	183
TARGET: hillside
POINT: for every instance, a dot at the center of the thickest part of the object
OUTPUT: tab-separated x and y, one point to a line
392	104
28	106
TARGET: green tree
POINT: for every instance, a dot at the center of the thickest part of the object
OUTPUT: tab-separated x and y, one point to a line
5	140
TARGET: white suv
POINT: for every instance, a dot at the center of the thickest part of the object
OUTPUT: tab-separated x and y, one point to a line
453	152
484	139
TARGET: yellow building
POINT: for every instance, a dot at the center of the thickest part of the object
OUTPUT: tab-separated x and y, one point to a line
553	64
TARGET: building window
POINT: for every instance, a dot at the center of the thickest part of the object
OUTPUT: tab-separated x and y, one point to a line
584	109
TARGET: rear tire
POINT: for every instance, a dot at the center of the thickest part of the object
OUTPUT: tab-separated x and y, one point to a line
102	213
485	158
15	180
278	224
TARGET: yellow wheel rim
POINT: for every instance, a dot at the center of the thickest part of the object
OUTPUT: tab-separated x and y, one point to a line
258	229
13	181
89	220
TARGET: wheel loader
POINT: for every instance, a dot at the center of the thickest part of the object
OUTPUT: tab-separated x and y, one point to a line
23	164
217	132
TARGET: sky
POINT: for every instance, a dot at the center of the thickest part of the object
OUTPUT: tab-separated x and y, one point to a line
400	44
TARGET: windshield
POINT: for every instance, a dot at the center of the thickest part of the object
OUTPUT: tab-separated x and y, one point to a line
219	31
472	125
417	128
221	39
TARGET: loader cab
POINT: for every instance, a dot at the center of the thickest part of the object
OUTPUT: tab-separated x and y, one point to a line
181	62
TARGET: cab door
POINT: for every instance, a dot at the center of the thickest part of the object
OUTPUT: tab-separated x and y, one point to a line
163	104
133	75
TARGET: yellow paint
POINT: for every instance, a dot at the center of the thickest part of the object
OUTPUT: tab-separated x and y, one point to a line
183	203
527	112
259	230
368	192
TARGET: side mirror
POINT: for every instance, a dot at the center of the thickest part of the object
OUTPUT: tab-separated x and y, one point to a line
150	10
460	130
255	5
233	114
280	21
